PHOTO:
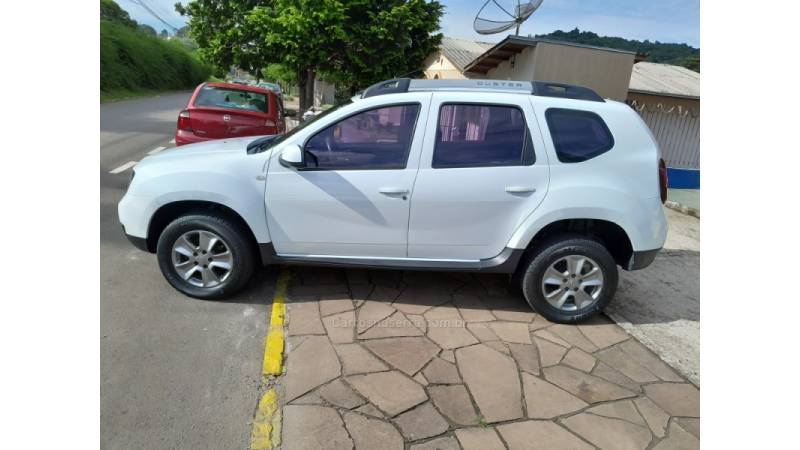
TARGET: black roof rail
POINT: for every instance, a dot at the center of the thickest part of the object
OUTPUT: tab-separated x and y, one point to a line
393	86
539	88
564	90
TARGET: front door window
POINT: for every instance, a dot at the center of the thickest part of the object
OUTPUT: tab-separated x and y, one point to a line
370	140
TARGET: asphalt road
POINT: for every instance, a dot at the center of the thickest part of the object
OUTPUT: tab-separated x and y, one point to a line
176	372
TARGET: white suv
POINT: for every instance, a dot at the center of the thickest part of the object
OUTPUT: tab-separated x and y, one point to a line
547	182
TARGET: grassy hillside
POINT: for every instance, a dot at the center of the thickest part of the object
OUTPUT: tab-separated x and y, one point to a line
659	52
134	63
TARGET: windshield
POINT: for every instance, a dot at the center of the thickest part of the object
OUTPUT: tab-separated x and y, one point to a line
266	143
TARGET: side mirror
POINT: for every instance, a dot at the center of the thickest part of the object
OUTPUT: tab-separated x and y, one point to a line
290	112
292	156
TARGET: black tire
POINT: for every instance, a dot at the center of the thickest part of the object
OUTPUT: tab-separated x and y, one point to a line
539	259
242	254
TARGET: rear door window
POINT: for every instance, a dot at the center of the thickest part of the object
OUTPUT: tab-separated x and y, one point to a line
578	135
475	135
220	97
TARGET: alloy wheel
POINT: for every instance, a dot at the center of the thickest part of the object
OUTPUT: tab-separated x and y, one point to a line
572	282
202	258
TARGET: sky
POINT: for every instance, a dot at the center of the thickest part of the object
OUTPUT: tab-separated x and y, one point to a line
662	20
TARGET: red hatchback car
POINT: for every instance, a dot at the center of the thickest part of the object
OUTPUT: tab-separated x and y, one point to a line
223	110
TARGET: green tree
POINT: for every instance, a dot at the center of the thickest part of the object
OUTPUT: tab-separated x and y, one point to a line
692	63
183	32
658	52
385	39
112	12
280	74
217	28
350	42
147	29
163	34
302	35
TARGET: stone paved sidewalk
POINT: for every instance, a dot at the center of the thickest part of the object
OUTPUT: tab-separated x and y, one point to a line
428	360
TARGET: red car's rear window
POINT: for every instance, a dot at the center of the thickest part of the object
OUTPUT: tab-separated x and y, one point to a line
221	97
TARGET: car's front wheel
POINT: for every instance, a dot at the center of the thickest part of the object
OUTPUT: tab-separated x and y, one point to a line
205	256
569	278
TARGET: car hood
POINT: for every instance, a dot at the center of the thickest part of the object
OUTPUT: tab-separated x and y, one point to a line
202	154
230	145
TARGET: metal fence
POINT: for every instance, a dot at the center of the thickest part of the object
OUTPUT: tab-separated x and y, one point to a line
677	131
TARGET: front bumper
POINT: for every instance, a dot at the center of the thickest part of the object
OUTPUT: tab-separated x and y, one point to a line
642	259
138	242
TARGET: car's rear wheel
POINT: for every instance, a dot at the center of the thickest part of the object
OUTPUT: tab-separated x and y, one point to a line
569	278
205	256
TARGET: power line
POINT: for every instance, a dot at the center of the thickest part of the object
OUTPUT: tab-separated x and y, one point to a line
165	11
154	14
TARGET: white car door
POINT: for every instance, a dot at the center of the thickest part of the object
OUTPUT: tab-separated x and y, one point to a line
483	170
352	199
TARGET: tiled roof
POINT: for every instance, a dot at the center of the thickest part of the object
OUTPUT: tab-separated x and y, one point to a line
462	51
664	79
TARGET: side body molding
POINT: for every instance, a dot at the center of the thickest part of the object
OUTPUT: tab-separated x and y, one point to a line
505	262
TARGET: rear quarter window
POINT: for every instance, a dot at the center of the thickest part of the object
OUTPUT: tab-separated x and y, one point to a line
578	135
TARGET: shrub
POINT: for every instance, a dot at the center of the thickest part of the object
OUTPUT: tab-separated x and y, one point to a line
133	61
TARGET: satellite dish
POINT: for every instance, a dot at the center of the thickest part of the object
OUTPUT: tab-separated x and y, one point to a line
495	18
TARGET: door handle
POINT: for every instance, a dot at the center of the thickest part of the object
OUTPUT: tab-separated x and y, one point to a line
520	189
393	191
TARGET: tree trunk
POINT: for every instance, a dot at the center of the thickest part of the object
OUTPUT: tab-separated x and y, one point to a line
305	88
302	79
310	87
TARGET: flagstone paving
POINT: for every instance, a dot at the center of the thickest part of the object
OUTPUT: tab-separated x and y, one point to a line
424	360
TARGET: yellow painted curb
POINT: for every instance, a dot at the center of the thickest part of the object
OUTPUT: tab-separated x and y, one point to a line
266	433
273	348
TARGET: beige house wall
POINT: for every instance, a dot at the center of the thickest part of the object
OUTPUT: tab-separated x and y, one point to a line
609	76
521	70
437	66
610	73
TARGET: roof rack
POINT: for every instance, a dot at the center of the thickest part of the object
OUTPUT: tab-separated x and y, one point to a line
539	88
564	90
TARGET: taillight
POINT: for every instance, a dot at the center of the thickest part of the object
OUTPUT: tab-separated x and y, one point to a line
184	121
269	123
662	179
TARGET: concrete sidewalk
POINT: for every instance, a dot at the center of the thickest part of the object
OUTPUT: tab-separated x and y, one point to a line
687	197
660	305
686	201
424	360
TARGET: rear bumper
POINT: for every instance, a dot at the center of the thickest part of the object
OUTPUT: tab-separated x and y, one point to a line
187	137
642	259
183	137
